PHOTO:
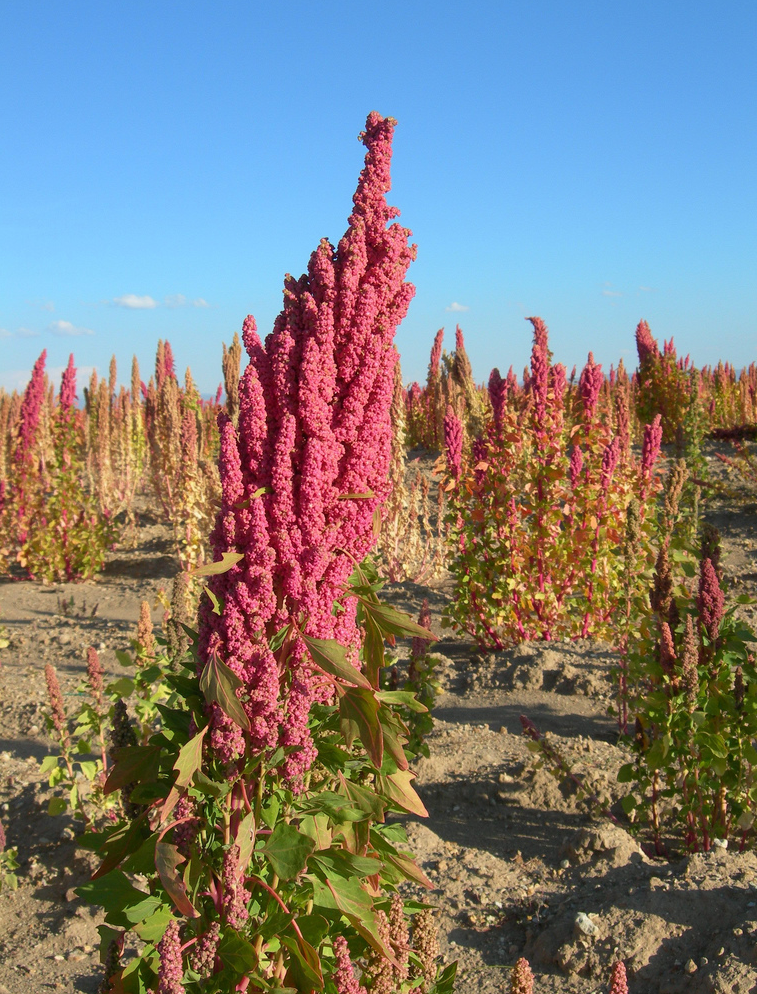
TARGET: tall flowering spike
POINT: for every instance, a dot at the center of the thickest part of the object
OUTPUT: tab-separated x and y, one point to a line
711	600
650	447
344	976
662	592
646	345
57	711
436	356
710	546
419	646
521	978
136	382
144	629
690	663
618	979
497	395
314	426
426	945
576	465
667	649
31	408
461	367
68	386
170	971
589	386
169	367
609	462
95	675
622	421
539	379
453	442
235	895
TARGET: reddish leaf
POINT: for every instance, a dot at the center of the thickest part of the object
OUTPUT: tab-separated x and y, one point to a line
331	657
167	859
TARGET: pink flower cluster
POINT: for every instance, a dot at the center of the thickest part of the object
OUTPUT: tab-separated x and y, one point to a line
31	408
589	385
453	442
68	386
171	970
646	346
308	465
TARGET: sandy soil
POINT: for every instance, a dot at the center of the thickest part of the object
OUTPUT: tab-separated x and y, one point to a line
520	863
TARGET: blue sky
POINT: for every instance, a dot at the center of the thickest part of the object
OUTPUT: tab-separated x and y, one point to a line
165	164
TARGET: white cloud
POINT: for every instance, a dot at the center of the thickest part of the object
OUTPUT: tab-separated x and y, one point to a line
457	308
200	303
26	333
133	301
175	300
15	379
4	333
646	289
67	330
48	306
612	293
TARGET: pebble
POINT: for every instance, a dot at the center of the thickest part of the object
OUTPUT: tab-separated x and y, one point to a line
565	864
691	966
58	958
585	925
720	843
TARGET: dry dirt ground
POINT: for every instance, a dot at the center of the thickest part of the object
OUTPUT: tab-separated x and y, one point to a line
519	862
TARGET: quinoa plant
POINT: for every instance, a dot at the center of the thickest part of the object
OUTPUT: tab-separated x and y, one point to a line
259	803
53	522
695	700
8	863
537	514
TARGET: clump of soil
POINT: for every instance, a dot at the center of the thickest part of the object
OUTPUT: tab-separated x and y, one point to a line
522	863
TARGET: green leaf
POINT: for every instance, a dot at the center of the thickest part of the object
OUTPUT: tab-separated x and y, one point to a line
152	928
279	638
360	707
363	496
627	773
89	769
223	565
330	656
304	970
121	843
287	850
124	658
313	928
133	764
167	860
218	683
346	864
245	838
405	697
210	787
397	787
123	686
237	953
373	650
364	798
189	759
57	805
445	981
47	764
628	803
214	600
124	904
394	622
